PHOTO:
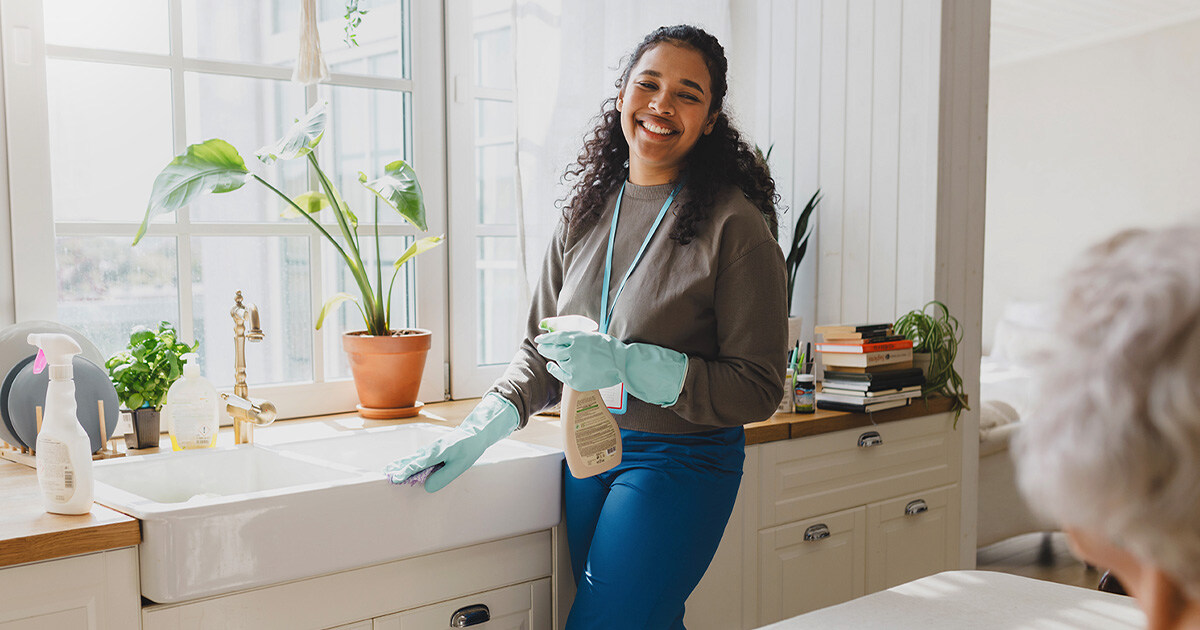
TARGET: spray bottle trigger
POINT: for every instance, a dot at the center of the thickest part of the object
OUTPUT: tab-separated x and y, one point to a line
39	363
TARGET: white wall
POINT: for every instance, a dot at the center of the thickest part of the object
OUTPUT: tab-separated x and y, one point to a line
883	105
1082	144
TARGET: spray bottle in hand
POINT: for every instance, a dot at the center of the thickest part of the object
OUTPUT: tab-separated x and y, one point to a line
64	450
591	439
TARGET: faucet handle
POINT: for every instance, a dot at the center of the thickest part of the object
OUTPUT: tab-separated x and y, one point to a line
254	410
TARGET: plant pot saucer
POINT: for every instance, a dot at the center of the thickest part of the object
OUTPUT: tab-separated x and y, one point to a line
375	413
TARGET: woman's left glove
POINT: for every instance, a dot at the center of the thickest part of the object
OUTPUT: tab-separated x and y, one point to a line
585	361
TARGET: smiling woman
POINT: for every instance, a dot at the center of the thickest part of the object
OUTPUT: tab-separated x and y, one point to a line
667	240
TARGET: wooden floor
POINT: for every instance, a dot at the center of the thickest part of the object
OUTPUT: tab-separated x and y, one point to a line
1024	555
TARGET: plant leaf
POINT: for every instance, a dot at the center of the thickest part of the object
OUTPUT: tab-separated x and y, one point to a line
311	202
301	138
398	186
330	304
213	166
419	247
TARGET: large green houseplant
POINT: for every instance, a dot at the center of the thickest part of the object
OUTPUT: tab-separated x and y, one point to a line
214	166
935	332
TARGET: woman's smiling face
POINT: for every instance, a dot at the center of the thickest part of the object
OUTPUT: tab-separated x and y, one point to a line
664	111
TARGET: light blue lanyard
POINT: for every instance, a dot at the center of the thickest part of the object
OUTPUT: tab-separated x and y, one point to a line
605	309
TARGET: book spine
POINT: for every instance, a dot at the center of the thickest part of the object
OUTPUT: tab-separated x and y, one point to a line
850	328
867	359
864	348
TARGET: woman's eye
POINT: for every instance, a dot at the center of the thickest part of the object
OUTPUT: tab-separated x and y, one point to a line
646	84
689	97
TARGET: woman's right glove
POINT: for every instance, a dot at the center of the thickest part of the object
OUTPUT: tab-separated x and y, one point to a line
493	419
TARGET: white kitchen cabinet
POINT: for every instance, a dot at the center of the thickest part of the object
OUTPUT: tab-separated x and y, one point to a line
97	591
371	593
518	607
821	520
813	563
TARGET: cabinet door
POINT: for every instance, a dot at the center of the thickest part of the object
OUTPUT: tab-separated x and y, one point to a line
520	607
911	537
96	591
811	564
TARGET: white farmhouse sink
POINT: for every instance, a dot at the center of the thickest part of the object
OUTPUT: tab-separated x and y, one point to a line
228	519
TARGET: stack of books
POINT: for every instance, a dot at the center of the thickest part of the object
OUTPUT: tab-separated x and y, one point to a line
867	368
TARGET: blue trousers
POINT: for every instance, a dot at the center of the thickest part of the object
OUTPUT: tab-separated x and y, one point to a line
642	534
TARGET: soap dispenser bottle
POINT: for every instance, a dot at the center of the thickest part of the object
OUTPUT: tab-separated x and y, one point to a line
64	450
191	410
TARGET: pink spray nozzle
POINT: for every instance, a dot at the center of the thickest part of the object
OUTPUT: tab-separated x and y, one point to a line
40	362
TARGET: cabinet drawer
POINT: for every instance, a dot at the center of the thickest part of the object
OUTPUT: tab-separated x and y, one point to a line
911	537
831	472
811	564
519	607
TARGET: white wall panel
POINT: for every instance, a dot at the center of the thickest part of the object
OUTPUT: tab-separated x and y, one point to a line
885	162
901	123
832	165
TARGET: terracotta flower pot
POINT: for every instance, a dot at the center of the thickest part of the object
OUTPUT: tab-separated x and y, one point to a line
387	370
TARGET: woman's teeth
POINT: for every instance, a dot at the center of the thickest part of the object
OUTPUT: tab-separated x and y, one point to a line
662	131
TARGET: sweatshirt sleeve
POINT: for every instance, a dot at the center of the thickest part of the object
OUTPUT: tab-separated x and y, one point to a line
526	383
744	382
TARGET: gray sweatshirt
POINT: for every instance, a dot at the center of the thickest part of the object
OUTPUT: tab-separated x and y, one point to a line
720	299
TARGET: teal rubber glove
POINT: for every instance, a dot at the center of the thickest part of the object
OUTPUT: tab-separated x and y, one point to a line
585	361
492	420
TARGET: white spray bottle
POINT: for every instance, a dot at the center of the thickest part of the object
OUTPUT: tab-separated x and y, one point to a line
592	439
64	450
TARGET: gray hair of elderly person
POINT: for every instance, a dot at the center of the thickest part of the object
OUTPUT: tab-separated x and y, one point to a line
1112	444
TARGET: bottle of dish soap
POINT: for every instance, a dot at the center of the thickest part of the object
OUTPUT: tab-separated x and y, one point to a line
191	410
64	450
592	440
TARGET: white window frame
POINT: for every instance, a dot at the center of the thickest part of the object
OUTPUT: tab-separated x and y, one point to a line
468	378
34	278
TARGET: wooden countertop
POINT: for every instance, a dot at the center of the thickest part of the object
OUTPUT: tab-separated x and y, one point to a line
28	534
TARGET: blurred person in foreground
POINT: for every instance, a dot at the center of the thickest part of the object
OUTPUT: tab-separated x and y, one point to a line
1112	448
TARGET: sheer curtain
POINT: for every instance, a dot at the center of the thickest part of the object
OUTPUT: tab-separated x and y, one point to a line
568	54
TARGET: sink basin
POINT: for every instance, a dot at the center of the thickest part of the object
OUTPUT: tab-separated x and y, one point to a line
228	519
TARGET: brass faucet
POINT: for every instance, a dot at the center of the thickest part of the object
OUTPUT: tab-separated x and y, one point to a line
246	412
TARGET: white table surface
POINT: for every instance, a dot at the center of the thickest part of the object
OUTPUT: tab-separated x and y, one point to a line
978	600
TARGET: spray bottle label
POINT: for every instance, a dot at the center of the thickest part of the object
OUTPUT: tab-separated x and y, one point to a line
55	473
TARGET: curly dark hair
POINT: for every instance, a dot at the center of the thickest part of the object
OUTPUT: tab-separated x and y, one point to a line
718	158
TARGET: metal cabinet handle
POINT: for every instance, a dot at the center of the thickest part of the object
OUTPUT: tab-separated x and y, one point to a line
470	616
816	532
869	439
916	507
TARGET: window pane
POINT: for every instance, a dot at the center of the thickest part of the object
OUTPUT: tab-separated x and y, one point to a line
106	287
495	194
249	114
348	317
494	58
131	25
268	32
110	135
367	129
501	314
273	274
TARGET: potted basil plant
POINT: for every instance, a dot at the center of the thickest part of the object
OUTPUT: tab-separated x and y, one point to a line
143	372
387	363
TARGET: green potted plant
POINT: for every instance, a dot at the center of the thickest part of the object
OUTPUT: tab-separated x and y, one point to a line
935	334
386	363
143	372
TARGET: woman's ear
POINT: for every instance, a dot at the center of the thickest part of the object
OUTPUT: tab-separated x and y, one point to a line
712	121
620	98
